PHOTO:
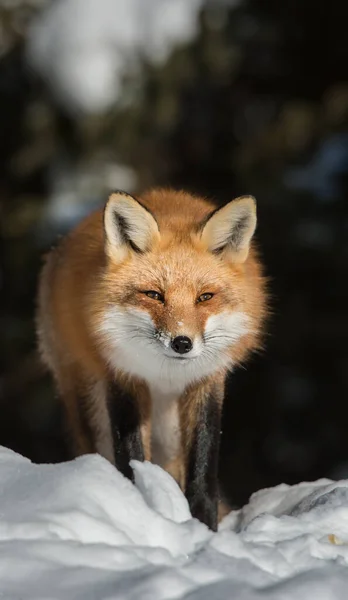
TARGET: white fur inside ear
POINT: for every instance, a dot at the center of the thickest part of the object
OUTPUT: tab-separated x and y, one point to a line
128	225
231	227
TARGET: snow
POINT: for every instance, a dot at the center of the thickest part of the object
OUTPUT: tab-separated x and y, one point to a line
80	530
83	48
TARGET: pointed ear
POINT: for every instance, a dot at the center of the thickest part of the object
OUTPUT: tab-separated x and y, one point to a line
231	228
128	226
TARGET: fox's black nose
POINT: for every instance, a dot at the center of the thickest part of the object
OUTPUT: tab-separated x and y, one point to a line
181	344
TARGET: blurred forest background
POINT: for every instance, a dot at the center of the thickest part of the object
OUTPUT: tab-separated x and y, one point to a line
222	98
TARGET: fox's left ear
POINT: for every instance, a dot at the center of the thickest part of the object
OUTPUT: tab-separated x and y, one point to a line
128	225
231	228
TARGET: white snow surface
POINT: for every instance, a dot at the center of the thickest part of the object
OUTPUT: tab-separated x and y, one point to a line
80	530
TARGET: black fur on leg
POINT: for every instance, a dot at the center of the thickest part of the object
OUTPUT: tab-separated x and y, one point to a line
202	467
125	427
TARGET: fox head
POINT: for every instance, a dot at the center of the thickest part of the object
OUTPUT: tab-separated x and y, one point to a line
182	287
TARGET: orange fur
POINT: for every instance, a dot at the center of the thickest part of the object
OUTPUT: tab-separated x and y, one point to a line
81	277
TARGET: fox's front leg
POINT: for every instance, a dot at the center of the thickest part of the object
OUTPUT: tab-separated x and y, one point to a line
202	436
126	422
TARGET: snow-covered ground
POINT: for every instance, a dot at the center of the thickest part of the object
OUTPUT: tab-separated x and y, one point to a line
79	530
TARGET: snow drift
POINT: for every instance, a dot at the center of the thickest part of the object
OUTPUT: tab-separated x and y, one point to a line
81	530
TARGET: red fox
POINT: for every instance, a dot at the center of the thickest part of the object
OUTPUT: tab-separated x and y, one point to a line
143	309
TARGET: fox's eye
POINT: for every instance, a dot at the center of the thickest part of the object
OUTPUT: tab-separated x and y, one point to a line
154	295
205	297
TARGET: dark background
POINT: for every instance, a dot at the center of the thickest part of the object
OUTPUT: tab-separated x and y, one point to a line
256	103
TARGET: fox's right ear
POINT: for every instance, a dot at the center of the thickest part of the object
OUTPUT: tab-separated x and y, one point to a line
128	226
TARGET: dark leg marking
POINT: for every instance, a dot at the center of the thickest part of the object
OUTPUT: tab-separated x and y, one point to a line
85	424
125	427
202	467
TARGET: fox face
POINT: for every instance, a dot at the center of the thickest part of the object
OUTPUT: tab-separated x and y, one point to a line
179	300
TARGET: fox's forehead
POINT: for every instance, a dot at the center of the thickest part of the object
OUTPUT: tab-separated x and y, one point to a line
178	267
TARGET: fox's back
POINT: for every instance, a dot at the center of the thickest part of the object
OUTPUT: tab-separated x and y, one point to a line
66	282
176	210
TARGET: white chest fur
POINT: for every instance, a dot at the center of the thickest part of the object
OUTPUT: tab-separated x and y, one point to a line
165	426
